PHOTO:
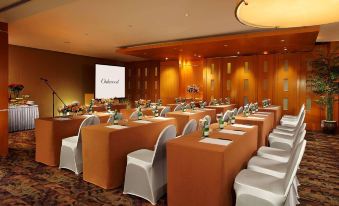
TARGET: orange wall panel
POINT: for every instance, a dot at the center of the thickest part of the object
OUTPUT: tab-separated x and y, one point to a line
169	81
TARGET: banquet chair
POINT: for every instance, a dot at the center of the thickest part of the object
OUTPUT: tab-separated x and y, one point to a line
227	115
178	107
111	118
146	170
281	154
190	127
208	119
134	115
260	189
285	142
302	109
291	122
164	111
290	129
71	148
235	111
240	110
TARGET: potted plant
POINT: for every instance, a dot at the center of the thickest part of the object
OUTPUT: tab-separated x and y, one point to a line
324	83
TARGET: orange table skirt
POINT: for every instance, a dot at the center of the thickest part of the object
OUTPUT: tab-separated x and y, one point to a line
277	113
201	174
49	133
105	150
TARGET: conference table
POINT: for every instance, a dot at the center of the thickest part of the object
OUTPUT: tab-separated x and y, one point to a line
126	113
276	110
221	108
105	148
103	108
49	133
184	117
202	173
264	121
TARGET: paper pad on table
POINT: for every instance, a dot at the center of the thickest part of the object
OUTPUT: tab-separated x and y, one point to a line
62	118
256	118
117	127
160	118
222	142
227	131
242	125
143	121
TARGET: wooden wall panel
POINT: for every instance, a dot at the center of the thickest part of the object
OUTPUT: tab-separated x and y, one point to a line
265	77
213	77
3	89
229	66
287	72
143	80
169	81
191	72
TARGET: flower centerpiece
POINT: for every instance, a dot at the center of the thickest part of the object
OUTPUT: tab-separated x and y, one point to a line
193	90
15	89
227	100
74	108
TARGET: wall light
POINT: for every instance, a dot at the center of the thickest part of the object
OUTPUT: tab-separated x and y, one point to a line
287	13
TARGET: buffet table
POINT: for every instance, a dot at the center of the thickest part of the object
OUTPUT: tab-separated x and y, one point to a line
22	117
200	173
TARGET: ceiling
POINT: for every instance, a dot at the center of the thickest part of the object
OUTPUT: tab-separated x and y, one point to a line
86	27
272	41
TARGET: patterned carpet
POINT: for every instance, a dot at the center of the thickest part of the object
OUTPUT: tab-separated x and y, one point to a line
26	182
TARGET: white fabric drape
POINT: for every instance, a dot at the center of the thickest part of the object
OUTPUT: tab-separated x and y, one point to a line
22	117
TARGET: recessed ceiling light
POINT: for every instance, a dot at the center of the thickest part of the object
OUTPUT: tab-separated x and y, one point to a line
282	40
166	58
225	45
265	52
187	14
238	52
285	48
199	56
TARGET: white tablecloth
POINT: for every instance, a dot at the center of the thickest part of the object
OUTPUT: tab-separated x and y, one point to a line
22	117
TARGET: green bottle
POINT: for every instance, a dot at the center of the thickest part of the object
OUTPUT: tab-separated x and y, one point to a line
206	129
115	118
233	119
221	123
139	114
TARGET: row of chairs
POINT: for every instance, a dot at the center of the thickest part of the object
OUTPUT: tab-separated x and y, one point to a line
270	177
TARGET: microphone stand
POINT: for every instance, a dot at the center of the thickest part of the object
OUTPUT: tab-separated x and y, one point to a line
53	93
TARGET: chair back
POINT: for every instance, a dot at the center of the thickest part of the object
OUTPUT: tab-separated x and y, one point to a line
190	127
92	120
208	119
166	134
240	110
111	118
178	107
164	111
227	115
235	111
301	135
134	115
293	166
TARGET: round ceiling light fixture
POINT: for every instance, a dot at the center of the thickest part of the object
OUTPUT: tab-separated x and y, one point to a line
287	13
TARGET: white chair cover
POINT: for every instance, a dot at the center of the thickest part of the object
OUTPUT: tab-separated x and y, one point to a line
208	119
227	115
164	111
134	115
71	148
240	110
146	170
178	107
190	127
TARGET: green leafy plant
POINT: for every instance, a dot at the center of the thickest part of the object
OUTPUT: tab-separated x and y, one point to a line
324	82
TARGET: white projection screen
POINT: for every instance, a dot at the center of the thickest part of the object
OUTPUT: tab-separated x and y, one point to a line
109	81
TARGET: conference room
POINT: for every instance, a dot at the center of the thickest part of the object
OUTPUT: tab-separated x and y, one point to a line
179	103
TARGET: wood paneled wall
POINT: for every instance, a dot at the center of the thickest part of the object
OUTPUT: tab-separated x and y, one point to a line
143	80
3	89
279	77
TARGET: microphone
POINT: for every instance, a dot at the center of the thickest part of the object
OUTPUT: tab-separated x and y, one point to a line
43	79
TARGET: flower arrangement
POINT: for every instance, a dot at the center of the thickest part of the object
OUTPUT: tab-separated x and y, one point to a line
75	108
193	89
15	89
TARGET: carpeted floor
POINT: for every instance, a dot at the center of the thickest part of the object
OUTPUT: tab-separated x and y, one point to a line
26	182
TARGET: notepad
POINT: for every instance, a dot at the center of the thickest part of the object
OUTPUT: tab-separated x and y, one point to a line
263	115
188	112
143	121
263	112
117	127
227	131
87	115
256	118
160	118
242	125
222	142
62	118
